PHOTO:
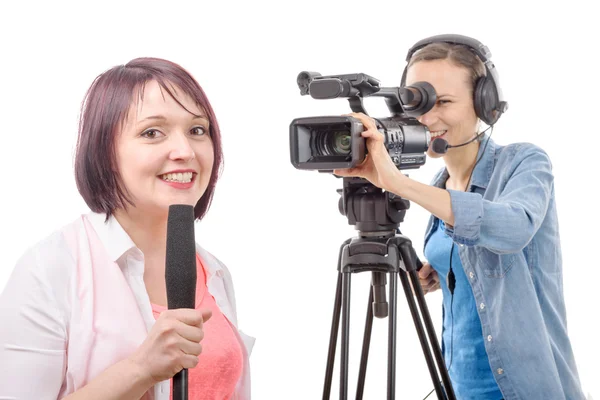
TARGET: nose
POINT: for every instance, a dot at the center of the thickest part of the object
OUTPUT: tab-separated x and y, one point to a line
181	148
429	118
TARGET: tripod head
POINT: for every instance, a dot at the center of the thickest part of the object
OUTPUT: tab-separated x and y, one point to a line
371	210
377	216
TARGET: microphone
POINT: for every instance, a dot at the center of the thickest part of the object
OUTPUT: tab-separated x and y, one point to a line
441	146
180	274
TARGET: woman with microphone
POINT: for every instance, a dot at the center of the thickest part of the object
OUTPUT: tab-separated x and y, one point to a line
492	242
84	314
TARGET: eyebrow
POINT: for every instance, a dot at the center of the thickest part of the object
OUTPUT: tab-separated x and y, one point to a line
445	95
163	118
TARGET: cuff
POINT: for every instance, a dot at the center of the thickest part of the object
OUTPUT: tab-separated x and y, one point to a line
468	212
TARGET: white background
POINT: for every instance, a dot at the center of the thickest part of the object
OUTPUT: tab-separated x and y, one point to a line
278	229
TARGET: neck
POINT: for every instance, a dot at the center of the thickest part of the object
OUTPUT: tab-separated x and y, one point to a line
460	162
148	232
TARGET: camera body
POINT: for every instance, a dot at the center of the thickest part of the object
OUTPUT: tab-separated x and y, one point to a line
335	142
327	143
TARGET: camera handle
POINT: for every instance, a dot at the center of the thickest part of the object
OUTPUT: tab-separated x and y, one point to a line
393	255
356	105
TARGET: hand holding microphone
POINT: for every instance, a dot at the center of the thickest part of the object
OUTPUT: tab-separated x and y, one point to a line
172	344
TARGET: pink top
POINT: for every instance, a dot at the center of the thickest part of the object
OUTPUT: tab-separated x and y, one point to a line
221	360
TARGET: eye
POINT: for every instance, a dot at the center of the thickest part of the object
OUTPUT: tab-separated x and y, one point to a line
198	131
442	102
151	134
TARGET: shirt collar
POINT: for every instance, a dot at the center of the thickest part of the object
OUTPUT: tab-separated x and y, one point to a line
117	242
483	170
485	167
112	235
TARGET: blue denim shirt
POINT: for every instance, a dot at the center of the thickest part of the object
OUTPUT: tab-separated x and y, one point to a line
506	228
463	346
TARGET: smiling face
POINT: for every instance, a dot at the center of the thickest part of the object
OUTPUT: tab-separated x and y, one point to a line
453	116
164	151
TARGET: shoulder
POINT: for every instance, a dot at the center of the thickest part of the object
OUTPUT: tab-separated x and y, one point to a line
522	152
44	273
52	253
526	163
55	256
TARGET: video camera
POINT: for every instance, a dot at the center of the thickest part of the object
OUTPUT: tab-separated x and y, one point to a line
335	142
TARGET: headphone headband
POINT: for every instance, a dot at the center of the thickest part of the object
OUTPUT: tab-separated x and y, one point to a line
475	45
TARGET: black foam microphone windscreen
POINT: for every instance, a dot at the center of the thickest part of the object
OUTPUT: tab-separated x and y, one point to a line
180	274
439	146
180	271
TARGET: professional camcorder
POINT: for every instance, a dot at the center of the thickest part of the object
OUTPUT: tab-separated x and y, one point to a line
335	142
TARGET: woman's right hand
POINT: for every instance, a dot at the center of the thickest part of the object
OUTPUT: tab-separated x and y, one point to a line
172	344
428	278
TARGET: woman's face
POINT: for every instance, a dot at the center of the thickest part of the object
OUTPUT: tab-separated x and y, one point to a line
453	116
164	152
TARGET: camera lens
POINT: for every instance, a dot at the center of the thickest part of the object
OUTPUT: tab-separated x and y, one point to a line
341	143
332	140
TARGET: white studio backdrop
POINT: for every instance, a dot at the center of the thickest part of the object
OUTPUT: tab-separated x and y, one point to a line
278	229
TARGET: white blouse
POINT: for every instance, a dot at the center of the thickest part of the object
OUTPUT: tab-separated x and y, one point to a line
76	303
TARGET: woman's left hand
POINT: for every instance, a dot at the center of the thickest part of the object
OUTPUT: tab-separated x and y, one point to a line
378	167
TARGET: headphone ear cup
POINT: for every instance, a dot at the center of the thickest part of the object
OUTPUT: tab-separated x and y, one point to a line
485	100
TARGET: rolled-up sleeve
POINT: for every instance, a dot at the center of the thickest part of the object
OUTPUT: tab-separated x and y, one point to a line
507	223
32	332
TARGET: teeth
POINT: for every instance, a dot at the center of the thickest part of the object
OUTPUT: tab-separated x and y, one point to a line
182	177
437	133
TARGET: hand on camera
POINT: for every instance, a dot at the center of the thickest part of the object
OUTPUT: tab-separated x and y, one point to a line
378	168
172	344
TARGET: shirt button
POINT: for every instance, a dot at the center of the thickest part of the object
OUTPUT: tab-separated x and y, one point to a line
489	338
500	371
482	306
461	245
471	274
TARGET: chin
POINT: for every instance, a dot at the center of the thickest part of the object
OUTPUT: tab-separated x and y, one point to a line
431	154
162	207
189	202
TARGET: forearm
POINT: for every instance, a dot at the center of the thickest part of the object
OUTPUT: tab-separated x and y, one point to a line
506	228
122	381
435	200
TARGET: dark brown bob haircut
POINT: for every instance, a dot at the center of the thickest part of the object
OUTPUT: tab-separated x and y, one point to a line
103	114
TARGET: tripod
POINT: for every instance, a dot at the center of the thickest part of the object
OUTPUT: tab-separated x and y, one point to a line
379	249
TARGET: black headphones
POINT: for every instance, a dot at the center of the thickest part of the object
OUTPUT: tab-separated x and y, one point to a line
487	96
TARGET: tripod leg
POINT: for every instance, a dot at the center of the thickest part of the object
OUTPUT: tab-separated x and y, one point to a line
346	278
364	357
409	256
335	324
432	336
422	338
392	337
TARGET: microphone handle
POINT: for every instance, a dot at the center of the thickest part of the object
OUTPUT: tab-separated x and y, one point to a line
180	385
